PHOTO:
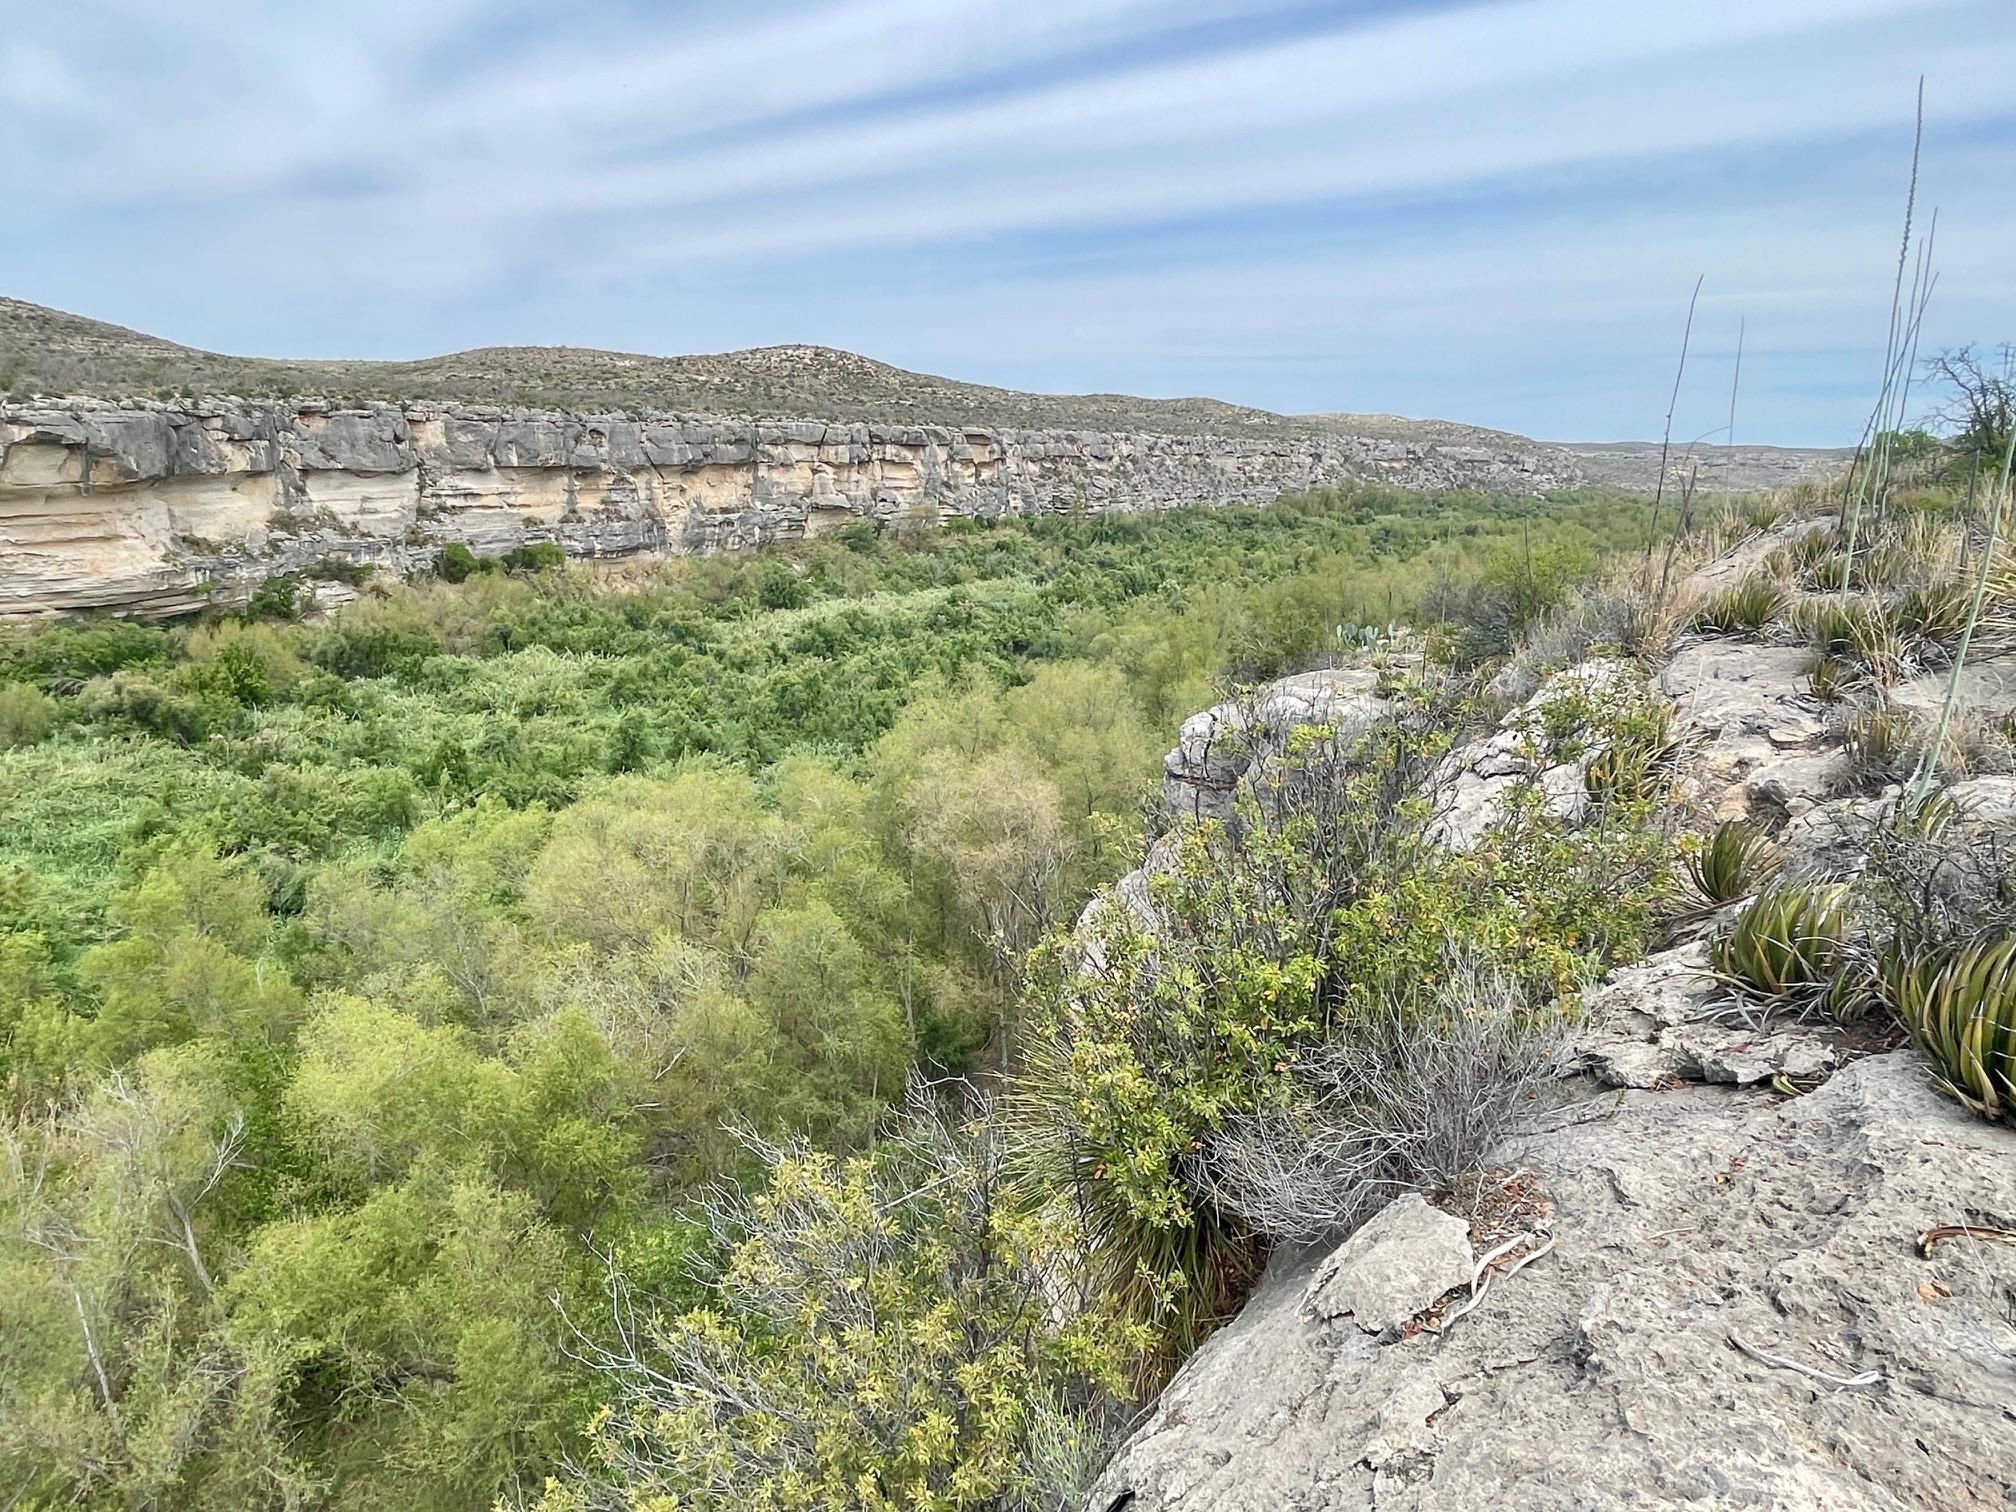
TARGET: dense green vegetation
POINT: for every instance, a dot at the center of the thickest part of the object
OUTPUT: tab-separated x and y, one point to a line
371	992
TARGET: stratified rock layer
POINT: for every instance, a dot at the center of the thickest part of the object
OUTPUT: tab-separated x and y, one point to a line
157	509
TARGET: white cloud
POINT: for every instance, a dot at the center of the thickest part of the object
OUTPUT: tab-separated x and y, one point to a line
1068	191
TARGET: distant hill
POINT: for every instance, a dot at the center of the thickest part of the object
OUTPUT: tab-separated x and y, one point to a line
49	352
44	351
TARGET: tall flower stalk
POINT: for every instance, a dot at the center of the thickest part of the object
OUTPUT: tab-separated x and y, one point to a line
1899	342
1928	763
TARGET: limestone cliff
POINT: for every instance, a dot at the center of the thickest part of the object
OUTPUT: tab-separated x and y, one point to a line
158	508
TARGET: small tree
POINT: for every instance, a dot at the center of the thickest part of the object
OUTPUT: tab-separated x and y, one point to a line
1978	412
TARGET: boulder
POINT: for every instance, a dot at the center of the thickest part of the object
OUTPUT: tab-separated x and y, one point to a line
1991	800
1472	784
1745	557
1667	1020
1216	748
1987	688
1404	1258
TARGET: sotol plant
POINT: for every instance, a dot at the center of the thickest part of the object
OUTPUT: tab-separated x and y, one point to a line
1959	1007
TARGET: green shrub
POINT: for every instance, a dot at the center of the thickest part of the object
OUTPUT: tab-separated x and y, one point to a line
456	563
278	598
1733	863
336	569
886	1331
540	556
1789	943
1959	1007
27	714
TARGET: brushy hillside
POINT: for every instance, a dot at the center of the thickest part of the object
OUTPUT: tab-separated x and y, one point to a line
49	352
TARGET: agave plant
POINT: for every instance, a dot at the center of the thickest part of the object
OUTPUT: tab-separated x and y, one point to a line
1937	614
1959	1007
1789	943
1734	862
1882	744
1856	627
1812	549
1830	678
1924	817
1635	763
1748	607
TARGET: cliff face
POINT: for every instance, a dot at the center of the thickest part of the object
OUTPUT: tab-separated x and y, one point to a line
158	509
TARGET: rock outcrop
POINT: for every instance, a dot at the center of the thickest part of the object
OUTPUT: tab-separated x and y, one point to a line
1737	1310
1217	749
1751	1260
159	508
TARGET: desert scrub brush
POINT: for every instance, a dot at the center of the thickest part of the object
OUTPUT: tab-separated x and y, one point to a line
1790	943
1732	863
1959	1007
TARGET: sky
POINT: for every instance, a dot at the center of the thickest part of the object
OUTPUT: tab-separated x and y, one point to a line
1484	210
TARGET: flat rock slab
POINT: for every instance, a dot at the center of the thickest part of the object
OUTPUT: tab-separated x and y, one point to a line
1404	1258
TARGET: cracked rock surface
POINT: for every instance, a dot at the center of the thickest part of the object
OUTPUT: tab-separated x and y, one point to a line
1603	1375
1663	1020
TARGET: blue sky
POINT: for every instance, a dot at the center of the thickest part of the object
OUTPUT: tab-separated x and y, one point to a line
1487	210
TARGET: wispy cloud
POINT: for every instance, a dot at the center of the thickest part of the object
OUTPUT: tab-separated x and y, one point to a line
1480	209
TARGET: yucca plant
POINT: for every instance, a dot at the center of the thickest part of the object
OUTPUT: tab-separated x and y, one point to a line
1733	862
1748	607
1789	943
1959	1007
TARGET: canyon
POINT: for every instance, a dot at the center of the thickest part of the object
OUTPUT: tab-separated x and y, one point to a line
158	509
123	494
